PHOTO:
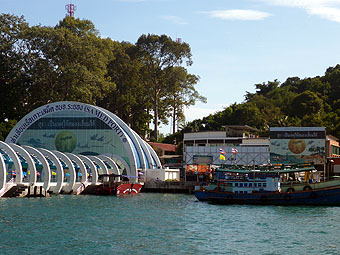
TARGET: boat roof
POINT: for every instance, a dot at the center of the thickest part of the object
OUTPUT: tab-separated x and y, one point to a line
267	168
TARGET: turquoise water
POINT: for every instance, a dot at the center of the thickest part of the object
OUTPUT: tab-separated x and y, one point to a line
162	224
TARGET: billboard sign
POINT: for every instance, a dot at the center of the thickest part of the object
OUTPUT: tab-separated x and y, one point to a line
289	145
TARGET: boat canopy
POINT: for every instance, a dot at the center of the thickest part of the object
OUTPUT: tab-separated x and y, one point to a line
279	169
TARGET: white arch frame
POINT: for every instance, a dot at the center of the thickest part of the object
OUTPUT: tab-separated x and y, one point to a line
59	169
29	160
2	172
92	166
16	161
100	163
69	186
154	156
111	162
127	136
46	167
131	135
81	165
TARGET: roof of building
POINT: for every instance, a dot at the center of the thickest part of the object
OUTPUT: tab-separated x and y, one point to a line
242	127
163	146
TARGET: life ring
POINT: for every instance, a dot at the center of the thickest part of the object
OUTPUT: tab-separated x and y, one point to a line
307	188
290	190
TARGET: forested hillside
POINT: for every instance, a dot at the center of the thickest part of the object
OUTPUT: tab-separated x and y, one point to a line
296	102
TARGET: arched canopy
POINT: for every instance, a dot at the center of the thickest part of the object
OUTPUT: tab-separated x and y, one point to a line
100	163
69	187
83	129
110	161
80	163
31	170
59	169
16	161
2	172
92	166
45	166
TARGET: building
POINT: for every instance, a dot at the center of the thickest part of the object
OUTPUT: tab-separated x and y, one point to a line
241	144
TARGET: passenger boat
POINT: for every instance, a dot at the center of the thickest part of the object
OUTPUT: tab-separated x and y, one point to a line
263	187
111	186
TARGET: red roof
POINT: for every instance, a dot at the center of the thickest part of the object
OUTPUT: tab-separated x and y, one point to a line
164	146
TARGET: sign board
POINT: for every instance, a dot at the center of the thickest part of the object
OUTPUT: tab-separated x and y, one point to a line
289	145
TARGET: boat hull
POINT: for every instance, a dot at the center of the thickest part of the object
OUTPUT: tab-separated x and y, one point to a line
326	196
119	189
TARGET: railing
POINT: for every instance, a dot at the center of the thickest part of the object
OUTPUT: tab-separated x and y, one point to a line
7	187
82	187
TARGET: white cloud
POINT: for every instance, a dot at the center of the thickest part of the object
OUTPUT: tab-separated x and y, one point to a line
238	14
326	9
175	20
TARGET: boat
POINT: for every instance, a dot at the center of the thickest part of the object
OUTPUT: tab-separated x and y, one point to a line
240	185
112	186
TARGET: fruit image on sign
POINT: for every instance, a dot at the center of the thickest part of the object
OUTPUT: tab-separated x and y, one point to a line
65	141
297	146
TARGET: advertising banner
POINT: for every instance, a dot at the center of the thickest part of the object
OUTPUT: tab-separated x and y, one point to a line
289	145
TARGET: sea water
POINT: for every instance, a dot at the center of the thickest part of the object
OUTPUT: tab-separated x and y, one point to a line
162	224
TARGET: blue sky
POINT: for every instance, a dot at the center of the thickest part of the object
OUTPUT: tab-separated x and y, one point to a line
235	43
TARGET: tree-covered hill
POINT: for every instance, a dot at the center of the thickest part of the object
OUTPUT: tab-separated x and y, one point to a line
296	102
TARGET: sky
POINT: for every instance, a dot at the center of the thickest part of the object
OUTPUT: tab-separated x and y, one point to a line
235	43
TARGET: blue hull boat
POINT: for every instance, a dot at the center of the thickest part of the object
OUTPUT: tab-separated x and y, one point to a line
326	197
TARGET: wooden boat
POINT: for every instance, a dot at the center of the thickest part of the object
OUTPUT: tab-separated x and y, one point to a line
263	187
111	186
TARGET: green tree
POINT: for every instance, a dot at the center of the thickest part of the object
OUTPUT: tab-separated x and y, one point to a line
158	55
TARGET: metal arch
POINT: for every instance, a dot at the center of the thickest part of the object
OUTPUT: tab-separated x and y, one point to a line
144	148
111	162
129	133
29	160
100	163
80	163
16	161
46	167
2	172
119	158
92	167
59	168
154	156
68	187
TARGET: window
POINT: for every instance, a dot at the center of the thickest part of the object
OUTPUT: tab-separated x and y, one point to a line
259	185
236	184
250	185
241	184
246	185
264	185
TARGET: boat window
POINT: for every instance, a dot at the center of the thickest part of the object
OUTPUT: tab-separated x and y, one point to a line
255	184
241	184
264	185
250	185
259	185
241	192
246	185
236	184
236	191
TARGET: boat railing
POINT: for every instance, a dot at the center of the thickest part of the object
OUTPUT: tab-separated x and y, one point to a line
7	187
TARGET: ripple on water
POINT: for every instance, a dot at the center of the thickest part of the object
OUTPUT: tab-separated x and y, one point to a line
162	224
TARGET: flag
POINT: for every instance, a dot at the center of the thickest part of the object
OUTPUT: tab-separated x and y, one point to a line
222	151
222	157
233	150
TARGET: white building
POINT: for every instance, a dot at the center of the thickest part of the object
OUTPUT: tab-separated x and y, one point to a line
204	147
